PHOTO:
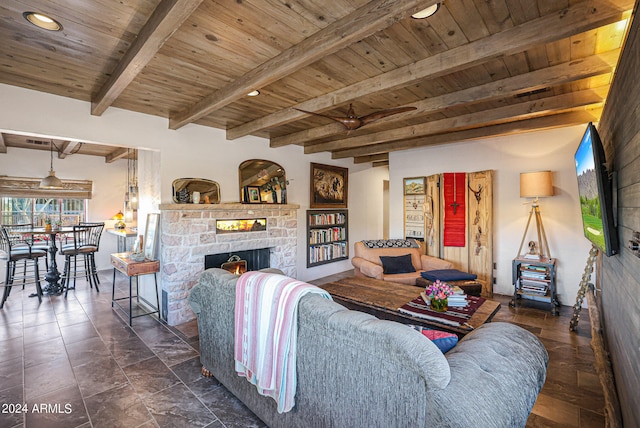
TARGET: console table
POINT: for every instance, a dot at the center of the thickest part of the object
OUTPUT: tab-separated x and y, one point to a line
123	263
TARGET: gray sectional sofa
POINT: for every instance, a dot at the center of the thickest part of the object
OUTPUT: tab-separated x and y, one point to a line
354	370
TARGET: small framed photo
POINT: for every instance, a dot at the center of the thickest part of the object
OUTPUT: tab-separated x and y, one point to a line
328	186
415	186
253	194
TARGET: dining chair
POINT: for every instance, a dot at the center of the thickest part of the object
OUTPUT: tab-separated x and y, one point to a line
85	242
13	254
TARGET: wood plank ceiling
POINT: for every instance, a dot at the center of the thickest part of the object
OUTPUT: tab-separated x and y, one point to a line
475	69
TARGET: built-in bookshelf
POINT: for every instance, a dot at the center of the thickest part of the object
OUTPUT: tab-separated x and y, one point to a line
327	236
535	279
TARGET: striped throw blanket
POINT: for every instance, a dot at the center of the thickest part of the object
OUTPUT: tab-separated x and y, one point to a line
266	318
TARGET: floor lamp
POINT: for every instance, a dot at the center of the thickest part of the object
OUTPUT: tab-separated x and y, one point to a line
535	185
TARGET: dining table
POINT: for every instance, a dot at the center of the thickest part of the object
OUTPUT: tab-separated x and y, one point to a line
52	276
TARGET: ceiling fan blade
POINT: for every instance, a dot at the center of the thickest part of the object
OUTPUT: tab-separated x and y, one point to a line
384	113
341	120
351	122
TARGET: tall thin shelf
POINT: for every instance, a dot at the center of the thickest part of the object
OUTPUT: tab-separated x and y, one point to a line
327	236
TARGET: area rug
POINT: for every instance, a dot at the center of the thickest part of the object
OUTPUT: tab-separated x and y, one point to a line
453	316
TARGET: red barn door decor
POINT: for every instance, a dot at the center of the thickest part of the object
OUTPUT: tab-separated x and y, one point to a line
455	185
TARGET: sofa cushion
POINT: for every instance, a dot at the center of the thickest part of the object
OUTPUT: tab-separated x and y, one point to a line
443	340
448	275
397	264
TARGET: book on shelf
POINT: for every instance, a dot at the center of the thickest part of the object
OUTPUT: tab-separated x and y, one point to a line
533	288
541	292
532	268
534	273
534	282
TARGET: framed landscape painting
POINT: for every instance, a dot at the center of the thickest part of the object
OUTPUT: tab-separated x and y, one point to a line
414	186
328	186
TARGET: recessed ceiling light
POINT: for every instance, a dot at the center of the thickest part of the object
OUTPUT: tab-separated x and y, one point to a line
254	93
42	21
425	13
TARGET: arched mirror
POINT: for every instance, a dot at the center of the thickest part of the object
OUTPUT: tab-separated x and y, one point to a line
195	191
262	182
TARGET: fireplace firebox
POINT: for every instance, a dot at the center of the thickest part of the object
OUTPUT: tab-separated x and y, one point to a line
256	259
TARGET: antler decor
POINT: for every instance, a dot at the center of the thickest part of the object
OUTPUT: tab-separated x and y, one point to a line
351	121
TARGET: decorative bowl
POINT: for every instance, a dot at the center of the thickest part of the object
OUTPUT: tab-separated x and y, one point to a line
137	257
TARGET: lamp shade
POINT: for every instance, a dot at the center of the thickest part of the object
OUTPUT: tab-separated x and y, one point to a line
120	224
536	184
51	181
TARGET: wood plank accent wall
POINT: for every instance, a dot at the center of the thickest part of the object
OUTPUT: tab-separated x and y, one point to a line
477	255
480	231
619	130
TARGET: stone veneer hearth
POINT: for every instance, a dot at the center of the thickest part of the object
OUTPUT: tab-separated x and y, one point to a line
188	233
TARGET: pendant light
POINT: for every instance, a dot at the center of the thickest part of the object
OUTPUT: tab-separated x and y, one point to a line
51	181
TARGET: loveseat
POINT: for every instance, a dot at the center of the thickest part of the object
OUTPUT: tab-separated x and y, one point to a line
354	370
367	262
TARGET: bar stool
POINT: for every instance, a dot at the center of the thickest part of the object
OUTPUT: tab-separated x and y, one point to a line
94	242
86	241
12	255
18	240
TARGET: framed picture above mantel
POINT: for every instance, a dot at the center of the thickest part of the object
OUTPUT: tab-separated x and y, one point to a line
329	185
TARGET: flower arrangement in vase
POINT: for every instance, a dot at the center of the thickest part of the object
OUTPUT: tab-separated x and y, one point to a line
438	293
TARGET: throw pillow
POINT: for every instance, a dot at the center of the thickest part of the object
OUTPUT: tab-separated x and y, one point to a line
391	243
397	264
443	340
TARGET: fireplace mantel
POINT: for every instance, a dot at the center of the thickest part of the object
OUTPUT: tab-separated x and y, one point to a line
188	233
228	206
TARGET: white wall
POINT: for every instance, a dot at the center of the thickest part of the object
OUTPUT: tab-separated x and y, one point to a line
508	157
192	151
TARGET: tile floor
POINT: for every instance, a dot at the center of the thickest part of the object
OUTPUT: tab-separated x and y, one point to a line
75	363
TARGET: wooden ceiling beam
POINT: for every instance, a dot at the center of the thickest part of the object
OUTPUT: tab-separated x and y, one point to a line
363	22
539	79
118	153
577	18
528	125
3	146
67	148
381	157
512	112
164	21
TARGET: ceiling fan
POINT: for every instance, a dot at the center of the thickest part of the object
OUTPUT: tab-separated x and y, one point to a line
351	121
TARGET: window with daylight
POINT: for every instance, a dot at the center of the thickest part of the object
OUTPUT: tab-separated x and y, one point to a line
65	211
23	201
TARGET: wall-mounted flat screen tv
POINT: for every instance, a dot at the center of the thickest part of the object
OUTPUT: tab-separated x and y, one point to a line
596	193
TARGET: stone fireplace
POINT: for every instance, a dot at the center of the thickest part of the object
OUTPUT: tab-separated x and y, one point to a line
188	234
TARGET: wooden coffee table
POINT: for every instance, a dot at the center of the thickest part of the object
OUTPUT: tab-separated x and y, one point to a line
383	298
